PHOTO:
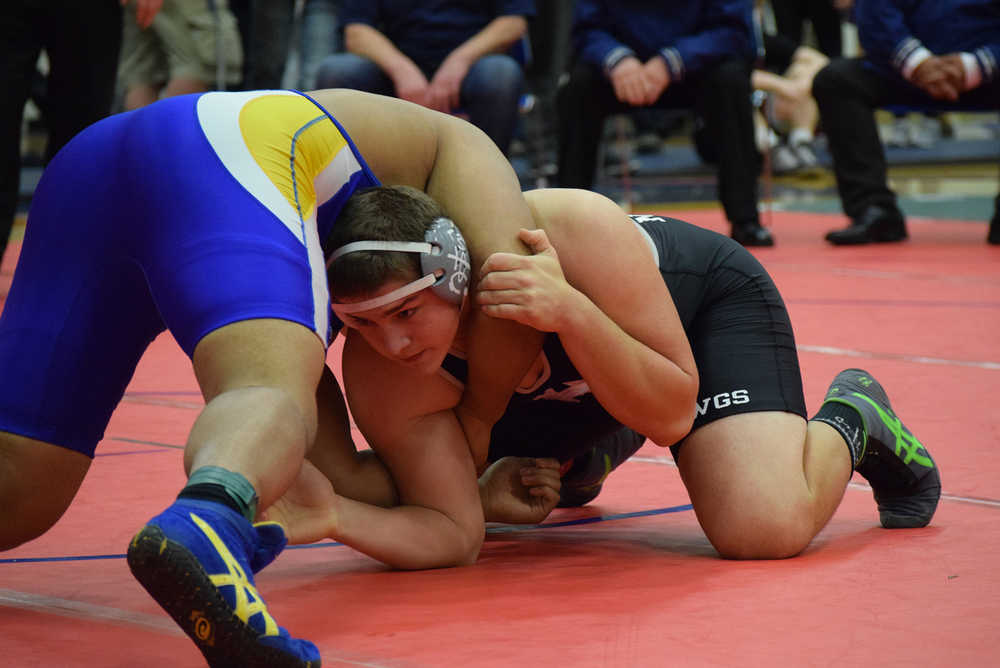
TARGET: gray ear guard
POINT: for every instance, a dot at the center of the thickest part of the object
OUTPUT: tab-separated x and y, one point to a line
449	260
444	260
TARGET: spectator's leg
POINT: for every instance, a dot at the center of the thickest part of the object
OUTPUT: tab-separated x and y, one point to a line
20	44
847	94
788	18
490	94
83	47
265	28
582	105
723	101
551	50
347	70
320	37
826	19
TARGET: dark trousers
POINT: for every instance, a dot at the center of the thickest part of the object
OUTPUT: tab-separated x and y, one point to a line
721	98
266	30
848	92
790	15
82	40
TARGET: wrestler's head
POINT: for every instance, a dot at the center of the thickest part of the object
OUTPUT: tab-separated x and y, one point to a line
399	274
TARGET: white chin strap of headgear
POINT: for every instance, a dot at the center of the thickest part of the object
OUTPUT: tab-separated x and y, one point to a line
421	283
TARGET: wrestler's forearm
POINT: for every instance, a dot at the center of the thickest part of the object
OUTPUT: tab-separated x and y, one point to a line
641	387
407	537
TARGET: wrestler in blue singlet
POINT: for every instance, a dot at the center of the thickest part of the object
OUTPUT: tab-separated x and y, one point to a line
187	215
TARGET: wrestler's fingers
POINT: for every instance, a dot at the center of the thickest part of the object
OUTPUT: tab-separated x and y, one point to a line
548	493
497	295
547	463
505	312
536	477
503	262
496	280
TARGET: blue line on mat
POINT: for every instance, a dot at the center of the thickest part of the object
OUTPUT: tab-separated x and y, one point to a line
492	529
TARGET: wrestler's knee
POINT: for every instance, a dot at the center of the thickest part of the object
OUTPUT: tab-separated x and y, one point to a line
752	532
37	483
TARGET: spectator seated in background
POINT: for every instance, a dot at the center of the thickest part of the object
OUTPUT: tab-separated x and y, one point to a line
447	55
631	54
924	54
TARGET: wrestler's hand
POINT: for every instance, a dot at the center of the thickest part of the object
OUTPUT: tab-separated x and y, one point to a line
530	289
308	509
520	490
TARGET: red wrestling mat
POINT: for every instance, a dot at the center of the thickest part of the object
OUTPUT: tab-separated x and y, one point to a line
631	580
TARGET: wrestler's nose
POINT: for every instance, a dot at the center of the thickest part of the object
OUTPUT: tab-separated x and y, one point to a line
396	340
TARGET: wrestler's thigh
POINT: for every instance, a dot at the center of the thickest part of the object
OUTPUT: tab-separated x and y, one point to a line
744	475
263	352
38	481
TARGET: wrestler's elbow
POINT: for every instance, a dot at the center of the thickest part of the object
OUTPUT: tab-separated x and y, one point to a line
467	552
672	426
672	431
461	550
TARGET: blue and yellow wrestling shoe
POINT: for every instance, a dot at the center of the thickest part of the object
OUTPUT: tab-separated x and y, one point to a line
197	560
905	480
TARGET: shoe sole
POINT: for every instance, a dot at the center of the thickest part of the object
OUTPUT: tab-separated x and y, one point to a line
880	238
913	511
176	580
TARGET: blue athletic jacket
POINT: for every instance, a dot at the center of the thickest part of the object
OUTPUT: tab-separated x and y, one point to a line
891	30
689	35
428	30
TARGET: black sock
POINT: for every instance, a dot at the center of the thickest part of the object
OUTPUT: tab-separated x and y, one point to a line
210	491
847	421
231	489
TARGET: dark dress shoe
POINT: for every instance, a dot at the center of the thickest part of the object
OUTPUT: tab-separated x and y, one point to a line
874	225
752	234
993	237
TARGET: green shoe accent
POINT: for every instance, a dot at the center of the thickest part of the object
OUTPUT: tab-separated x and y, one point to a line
905	480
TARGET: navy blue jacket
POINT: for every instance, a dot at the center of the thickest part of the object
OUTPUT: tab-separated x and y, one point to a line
690	35
426	31
891	30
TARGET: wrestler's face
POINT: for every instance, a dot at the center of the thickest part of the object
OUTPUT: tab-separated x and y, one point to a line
416	331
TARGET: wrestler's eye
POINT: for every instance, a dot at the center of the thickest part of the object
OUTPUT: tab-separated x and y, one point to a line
359	322
407	313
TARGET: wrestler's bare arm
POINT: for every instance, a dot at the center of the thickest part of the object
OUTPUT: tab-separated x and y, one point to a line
619	326
407	418
358	474
461	168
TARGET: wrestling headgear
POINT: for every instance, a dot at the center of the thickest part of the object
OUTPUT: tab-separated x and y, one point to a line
444	259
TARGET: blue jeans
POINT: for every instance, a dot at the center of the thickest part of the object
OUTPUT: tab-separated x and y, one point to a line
489	95
320	36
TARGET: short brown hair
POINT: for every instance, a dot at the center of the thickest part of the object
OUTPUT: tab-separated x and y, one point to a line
382	213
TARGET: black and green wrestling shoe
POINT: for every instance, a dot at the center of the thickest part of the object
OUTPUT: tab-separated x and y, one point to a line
905	480
583	480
